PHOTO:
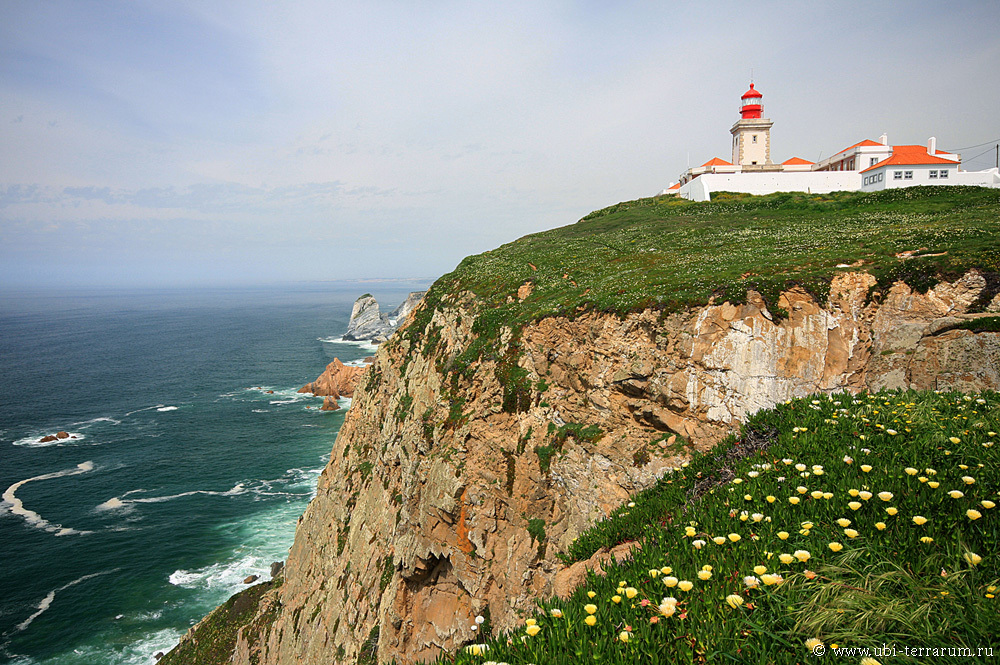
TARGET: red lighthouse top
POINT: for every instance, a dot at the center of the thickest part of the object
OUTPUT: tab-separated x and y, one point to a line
751	107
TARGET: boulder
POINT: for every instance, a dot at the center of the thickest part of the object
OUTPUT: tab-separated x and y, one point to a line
250	579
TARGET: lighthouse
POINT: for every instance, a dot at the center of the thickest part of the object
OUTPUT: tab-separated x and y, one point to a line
752	134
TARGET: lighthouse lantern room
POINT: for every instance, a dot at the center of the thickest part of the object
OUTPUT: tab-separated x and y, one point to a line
752	134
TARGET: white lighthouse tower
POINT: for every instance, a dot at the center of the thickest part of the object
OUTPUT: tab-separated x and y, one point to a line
752	134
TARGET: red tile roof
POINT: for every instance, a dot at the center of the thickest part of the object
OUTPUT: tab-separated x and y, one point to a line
715	161
908	155
674	186
795	161
866	142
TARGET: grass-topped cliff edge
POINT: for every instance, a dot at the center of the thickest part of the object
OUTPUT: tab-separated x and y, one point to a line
670	254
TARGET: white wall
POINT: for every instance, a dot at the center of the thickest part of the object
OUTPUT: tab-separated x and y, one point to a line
816	182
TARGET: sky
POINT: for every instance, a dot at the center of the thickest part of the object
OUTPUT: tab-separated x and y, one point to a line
226	142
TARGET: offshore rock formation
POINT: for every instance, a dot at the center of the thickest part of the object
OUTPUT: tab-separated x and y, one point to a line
337	380
437	505
367	323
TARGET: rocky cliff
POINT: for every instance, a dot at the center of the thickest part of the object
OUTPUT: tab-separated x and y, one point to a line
457	477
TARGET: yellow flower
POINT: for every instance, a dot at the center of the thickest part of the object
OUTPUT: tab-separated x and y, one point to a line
987	504
843	522
590	608
631	592
885	496
704	574
802	555
854	505
669	581
770	580
910	471
827	495
654	572
556	612
760	570
926	540
734	600
707	567
477	649
807	525
956	494
735	537
835	546
685	585
919	520
853	492
689	531
770	498
922	479
793	500
880	526
891	510
868	660
783	535
972	558
719	540
786	558
968	480
934	484
954	439
865	495
530	622
590	620
801	490
533	630
973	514
623	636
816	494
850	533
866	467
591	594
616	599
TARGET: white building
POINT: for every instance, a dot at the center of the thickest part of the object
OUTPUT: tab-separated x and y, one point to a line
867	165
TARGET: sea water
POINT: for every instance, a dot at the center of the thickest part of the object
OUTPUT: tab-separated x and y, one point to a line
190	457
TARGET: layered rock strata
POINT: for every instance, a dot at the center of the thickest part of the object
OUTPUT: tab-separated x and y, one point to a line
337	380
438	506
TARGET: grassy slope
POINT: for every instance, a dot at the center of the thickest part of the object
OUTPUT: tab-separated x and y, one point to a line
672	253
885	586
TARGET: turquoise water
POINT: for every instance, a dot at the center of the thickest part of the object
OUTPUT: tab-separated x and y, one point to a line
192	459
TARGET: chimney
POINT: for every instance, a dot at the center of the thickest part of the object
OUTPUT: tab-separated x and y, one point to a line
884	139
931	145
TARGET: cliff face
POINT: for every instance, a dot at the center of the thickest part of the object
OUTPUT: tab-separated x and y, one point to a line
437	505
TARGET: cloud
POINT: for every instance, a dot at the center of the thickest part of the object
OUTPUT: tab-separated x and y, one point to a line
411	133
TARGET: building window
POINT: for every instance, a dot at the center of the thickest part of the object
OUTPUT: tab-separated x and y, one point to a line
850	165
943	173
880	177
933	174
897	175
866	181
908	175
754	138
872	161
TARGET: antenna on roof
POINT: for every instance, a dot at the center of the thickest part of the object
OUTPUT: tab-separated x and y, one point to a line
751	74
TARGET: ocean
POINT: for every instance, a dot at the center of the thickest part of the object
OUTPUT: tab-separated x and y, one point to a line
189	459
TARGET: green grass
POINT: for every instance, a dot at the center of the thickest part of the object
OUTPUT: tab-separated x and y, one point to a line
885	585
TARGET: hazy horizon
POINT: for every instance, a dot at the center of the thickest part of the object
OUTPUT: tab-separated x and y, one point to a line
241	142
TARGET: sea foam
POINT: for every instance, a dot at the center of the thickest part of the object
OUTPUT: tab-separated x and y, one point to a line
33	518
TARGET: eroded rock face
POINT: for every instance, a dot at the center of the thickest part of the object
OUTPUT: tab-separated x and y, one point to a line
421	519
337	380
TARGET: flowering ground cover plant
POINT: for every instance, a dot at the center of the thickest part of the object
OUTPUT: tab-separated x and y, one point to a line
847	520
